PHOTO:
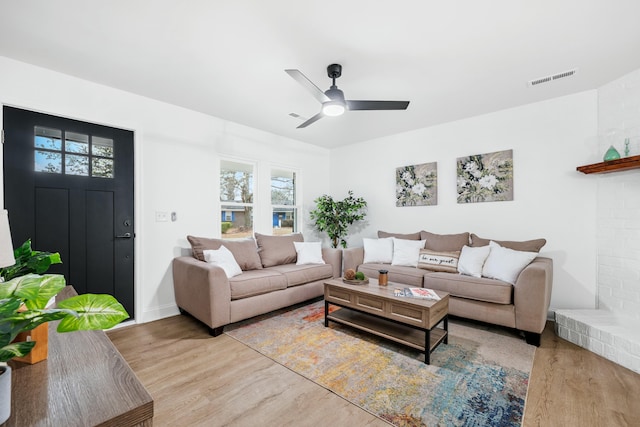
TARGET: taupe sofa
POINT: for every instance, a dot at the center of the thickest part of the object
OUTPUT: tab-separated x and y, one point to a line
270	279
522	306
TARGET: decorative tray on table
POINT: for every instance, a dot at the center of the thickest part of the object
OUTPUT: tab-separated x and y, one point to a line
355	281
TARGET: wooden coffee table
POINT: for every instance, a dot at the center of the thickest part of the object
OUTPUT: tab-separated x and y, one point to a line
372	308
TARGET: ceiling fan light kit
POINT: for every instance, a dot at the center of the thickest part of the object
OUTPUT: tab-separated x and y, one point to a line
333	101
333	108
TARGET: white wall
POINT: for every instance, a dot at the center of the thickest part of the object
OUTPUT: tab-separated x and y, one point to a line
177	153
551	200
619	199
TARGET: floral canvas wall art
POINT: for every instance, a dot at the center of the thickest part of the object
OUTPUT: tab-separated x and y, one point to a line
485	177
417	185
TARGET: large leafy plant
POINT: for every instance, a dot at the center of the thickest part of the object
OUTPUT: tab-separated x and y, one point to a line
335	216
24	299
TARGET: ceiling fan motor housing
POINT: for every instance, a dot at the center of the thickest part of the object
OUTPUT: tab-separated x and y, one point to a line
334	71
335	94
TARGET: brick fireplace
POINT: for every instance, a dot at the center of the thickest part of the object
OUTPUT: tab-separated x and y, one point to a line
612	330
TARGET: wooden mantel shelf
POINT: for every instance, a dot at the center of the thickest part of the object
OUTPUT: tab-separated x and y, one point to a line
625	163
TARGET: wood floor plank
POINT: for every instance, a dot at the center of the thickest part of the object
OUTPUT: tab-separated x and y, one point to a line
198	380
570	386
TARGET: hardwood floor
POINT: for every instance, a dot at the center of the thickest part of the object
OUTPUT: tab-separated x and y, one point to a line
196	380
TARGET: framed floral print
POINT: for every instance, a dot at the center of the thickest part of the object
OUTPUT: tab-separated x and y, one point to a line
417	185
485	177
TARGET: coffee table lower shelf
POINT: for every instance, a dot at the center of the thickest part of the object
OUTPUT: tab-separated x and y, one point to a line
410	336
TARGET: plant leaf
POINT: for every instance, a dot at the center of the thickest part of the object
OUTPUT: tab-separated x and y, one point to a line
16	349
33	289
94	312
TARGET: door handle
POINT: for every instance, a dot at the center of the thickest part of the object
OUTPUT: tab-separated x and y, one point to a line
124	236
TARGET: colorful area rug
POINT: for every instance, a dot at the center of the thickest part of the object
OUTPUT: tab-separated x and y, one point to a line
479	379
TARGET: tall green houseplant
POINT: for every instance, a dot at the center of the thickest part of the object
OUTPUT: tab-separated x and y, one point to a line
335	216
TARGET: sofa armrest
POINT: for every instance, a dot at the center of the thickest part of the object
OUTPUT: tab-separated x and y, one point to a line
532	295
333	256
353	257
202	290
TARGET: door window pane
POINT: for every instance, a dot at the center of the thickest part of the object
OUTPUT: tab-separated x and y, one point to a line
49	154
102	147
101	168
51	139
47	161
76	165
76	143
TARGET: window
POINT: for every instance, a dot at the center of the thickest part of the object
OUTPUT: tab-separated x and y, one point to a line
284	211
236	197
64	152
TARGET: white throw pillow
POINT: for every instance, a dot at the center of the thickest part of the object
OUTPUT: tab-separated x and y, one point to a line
224	259
506	264
309	253
378	250
406	252
472	259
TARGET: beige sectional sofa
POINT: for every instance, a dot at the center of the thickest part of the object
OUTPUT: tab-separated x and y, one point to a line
522	305
271	278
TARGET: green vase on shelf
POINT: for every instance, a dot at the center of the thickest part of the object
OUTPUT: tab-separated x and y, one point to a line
611	154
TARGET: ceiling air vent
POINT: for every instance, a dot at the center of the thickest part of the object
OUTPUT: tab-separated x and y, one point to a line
553	77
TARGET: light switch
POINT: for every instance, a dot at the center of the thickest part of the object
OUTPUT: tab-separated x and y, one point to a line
162	216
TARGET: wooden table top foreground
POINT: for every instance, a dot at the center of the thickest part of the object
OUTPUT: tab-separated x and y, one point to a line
373	288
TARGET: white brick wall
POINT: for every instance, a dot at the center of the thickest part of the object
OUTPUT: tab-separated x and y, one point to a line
613	331
619	200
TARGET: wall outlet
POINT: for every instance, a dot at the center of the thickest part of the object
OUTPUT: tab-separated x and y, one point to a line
162	216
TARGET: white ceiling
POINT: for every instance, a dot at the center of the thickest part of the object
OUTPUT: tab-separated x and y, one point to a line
452	59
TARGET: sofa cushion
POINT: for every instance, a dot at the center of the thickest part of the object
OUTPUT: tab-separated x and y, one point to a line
244	251
256	282
277	250
301	274
506	264
308	253
476	288
444	242
472	260
224	259
525	246
409	236
406	252
409	276
438	260
378	250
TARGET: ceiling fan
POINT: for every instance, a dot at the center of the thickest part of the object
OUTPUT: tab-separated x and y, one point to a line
333	102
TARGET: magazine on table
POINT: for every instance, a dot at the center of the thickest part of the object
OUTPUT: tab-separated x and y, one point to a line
422	293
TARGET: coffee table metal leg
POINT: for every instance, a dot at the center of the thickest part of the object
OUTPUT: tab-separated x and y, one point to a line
446	329
326	312
427	347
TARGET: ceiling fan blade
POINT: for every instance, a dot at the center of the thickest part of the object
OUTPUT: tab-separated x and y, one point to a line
308	84
377	105
311	120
